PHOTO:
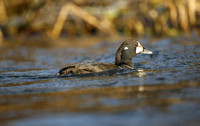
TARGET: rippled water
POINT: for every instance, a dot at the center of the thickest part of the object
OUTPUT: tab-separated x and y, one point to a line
164	89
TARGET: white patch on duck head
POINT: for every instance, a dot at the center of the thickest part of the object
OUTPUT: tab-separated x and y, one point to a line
139	44
125	48
139	48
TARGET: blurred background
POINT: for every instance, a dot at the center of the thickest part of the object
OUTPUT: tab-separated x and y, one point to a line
75	18
38	37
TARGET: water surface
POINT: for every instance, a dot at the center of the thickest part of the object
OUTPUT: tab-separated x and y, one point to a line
164	89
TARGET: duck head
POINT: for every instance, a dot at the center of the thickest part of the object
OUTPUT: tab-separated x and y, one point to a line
129	49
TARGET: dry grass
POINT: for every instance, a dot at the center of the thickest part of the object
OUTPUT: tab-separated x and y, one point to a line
87	17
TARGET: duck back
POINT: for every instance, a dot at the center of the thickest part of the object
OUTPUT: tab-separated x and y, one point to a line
87	68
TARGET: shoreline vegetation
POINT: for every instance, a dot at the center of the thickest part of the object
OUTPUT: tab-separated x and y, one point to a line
55	19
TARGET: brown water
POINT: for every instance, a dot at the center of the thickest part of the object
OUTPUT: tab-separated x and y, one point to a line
164	89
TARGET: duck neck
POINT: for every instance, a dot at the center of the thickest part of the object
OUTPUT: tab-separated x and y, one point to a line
125	63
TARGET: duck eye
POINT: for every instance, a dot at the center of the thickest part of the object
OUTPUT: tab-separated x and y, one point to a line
125	48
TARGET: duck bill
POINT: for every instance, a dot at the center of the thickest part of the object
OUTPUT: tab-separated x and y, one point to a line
145	51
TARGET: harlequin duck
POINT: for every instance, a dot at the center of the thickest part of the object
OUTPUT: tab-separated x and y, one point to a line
123	60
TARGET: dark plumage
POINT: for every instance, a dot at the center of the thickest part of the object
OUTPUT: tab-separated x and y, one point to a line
123	60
